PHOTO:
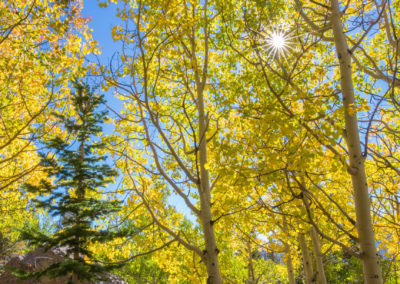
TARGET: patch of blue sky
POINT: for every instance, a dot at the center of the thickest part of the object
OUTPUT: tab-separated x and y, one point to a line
102	22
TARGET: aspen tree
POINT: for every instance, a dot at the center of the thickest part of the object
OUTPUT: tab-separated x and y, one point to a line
306	259
170	71
369	255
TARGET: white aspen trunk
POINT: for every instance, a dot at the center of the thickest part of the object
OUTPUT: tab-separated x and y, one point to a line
250	268
211	251
289	261
289	264
369	256
321	278
307	263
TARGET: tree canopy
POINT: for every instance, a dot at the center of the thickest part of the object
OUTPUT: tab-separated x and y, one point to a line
255	141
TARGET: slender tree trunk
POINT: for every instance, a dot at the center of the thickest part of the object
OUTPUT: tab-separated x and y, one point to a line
307	263
80	194
211	251
74	279
369	256
321	278
289	263
250	268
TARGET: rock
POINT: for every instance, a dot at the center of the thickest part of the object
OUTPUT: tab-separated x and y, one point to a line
38	259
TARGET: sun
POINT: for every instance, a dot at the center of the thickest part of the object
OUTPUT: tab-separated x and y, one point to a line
277	41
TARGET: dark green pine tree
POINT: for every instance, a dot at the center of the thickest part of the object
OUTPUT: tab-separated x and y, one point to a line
77	172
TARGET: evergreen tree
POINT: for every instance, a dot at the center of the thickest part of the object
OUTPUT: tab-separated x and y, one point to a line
78	175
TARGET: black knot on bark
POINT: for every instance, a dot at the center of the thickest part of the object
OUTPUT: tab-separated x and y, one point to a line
352	170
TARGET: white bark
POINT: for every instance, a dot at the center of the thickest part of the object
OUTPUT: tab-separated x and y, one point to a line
289	264
307	263
289	261
211	251
321	278
369	256
250	267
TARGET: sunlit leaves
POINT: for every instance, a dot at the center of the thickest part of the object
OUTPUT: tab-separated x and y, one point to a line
41	48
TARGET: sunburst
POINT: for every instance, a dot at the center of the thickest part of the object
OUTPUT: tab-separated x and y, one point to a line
277	41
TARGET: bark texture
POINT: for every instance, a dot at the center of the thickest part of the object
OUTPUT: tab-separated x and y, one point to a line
321	278
211	251
369	256
250	268
307	262
289	261
289	264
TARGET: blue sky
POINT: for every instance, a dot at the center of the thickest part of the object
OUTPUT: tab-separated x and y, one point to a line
102	21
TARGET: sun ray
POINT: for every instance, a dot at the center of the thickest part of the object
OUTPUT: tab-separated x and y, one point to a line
277	41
